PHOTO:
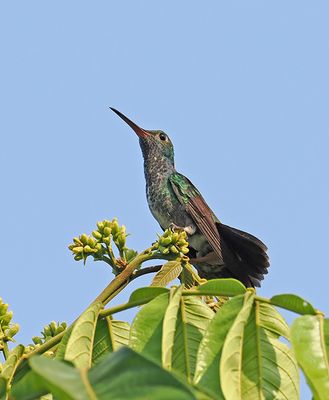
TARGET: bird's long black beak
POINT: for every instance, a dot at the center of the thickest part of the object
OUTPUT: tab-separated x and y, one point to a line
139	131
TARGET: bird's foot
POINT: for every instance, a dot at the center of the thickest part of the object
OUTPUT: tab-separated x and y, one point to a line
173	227
190	230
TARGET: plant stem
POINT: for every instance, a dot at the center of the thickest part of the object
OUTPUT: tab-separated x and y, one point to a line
120	281
47	346
111	290
146	270
5	349
123	307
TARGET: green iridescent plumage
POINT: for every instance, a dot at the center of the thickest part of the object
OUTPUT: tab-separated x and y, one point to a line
216	250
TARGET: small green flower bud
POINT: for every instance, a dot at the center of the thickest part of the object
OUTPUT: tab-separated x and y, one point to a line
77	250
115	226
12	331
106	240
84	238
122	240
174	250
5	319
53	327
165	241
98	247
163	250
37	340
78	257
87	249
184	249
100	226
3	308
107	231
175	237
47	330
167	233
91	241
97	235
59	330
181	233
77	241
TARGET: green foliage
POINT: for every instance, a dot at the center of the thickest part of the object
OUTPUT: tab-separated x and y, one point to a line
121	375
198	340
49	331
7	329
173	242
169	272
309	335
110	335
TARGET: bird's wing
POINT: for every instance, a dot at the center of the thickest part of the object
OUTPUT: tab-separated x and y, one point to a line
198	209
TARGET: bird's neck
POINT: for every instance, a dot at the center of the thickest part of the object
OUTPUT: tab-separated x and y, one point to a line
157	169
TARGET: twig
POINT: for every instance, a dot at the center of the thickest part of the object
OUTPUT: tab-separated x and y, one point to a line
144	271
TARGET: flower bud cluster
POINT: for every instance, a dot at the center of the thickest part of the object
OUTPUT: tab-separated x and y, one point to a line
49	331
85	246
106	229
7	329
173	243
100	243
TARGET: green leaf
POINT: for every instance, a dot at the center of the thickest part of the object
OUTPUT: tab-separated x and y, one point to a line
146	293
146	329
269	318
169	327
211	346
222	287
9	367
231	360
169	271
269	366
309	335
110	335
192	321
3	387
187	277
80	344
255	364
29	387
293	303
60	352
326	334
126	375
62	380
123	375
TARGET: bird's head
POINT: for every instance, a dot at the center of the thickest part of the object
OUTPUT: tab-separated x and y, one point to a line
154	144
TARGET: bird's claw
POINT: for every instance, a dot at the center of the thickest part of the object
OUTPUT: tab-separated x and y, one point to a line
174	228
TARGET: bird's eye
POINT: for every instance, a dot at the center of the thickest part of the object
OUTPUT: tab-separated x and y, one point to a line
163	136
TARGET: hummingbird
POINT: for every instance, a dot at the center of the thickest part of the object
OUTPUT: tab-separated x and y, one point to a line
216	250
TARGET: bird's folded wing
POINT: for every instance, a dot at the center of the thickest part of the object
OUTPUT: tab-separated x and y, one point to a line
198	209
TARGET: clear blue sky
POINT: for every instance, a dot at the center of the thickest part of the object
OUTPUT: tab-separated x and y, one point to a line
242	89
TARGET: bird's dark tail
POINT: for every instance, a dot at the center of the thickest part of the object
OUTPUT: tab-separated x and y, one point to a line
250	251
